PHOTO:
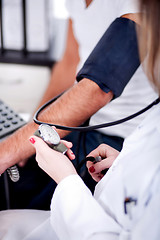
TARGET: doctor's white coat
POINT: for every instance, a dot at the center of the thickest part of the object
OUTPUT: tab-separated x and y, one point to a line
125	205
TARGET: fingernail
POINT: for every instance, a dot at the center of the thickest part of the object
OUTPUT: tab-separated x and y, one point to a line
92	169
32	140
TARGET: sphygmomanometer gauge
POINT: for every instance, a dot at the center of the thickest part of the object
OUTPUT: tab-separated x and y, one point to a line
48	134
51	137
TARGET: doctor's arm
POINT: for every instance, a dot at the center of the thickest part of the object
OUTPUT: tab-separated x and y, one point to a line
72	200
107	155
75	213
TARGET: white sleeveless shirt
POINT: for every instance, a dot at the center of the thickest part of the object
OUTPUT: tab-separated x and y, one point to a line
89	24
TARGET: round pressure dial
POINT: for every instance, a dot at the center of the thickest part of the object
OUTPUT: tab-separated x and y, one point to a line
48	134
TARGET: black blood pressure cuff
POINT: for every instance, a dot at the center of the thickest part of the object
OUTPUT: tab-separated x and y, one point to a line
115	58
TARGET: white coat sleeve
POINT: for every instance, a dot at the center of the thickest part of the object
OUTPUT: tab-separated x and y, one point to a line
75	214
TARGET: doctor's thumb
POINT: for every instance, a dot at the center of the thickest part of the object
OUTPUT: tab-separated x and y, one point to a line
37	142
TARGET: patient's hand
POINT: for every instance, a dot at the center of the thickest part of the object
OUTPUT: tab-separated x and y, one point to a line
108	155
55	164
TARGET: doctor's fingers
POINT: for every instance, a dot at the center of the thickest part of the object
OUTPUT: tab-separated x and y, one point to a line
99	151
96	176
104	164
99	166
104	151
42	149
69	145
37	143
44	152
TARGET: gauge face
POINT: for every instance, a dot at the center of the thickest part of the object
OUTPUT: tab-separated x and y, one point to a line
49	134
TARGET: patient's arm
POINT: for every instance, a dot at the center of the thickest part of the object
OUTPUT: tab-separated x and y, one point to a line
72	109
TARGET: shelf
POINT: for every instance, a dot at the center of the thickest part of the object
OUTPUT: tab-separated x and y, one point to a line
23	57
29	58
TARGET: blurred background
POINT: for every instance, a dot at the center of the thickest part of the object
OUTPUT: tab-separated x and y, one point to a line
33	36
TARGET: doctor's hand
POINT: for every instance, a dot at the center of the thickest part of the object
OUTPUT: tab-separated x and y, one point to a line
55	164
108	155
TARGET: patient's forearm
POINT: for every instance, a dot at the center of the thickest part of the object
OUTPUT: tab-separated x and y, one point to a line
60	81
76	105
72	109
16	147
